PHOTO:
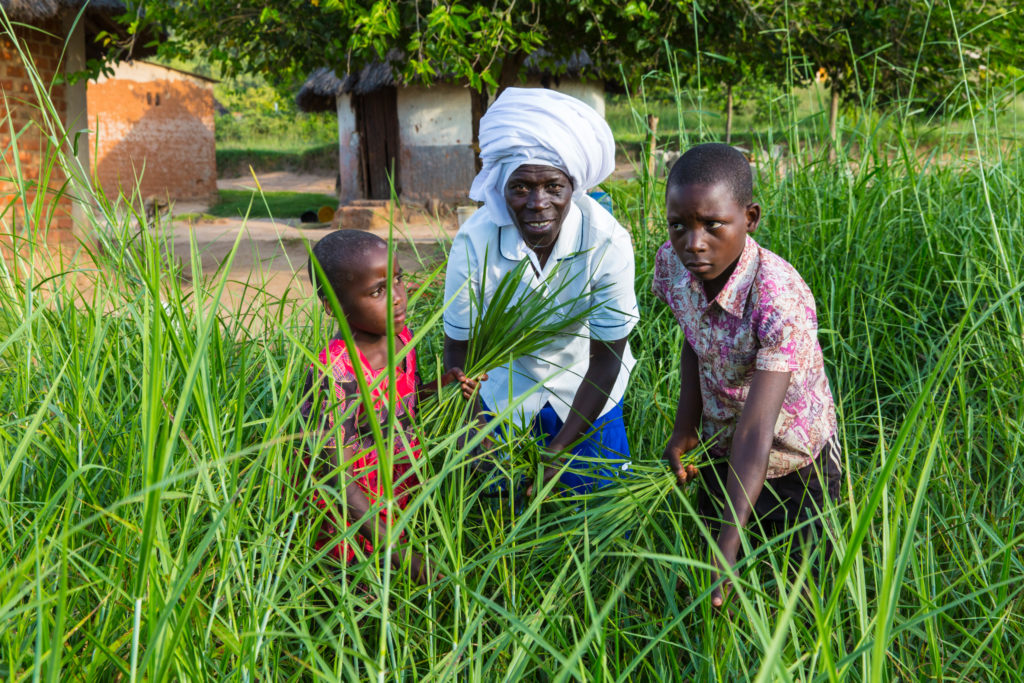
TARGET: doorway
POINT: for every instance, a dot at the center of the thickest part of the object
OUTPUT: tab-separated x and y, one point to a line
377	124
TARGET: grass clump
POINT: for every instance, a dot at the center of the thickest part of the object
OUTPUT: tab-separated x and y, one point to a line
268	157
153	526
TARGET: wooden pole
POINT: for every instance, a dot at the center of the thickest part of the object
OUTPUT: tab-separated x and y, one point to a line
652	124
728	114
833	114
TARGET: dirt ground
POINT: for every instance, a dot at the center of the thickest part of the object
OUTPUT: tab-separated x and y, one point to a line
271	255
281	181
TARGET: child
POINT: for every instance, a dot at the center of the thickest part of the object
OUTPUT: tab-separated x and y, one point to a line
355	266
752	375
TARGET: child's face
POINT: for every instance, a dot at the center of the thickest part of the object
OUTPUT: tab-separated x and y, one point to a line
364	299
708	228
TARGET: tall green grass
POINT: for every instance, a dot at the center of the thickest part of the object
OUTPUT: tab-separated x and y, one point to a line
153	522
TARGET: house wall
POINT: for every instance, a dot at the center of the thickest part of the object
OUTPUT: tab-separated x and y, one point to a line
24	148
591	92
157	124
436	137
348	152
435	128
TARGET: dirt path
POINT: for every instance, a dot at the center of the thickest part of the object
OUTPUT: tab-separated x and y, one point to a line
281	181
271	255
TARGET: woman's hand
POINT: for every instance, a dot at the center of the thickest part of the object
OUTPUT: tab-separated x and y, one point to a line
550	462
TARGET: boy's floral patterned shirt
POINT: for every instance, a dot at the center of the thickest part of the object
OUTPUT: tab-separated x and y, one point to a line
763	319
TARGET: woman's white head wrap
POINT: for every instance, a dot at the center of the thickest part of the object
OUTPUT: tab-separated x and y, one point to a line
540	127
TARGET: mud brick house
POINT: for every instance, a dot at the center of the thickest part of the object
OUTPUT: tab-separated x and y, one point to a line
154	123
57	37
425	133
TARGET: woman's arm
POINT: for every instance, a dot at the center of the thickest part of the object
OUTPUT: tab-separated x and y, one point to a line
602	371
748	460
455	352
685	435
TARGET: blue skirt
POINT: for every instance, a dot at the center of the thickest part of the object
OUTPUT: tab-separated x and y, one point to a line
599	459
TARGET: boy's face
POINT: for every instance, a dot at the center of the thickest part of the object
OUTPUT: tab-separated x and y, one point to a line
538	198
363	297
708	228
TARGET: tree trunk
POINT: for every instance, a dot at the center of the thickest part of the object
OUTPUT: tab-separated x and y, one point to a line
833	114
479	101
510	68
477	107
728	114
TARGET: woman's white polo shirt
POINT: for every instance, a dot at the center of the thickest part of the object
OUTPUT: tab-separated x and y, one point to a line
593	258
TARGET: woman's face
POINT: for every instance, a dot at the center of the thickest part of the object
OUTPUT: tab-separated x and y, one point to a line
538	198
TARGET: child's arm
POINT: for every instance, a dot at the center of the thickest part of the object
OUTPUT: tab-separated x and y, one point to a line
454	374
685	435
748	461
372	525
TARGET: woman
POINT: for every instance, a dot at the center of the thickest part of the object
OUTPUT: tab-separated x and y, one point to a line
541	152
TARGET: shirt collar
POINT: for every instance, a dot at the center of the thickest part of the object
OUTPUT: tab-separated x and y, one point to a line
733	296
569	242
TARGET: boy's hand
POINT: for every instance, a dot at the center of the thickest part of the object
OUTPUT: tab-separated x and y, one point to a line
673	453
468	384
728	543
721	592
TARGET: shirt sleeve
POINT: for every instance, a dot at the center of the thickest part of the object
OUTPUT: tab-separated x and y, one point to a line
787	324
613	286
460	276
659	284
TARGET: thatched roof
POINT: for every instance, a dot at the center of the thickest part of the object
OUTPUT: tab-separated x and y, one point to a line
37	10
99	15
323	86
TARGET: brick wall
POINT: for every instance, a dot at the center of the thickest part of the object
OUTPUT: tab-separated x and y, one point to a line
156	123
20	115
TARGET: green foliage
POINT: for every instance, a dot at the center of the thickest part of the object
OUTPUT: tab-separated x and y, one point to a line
269	154
515	324
910	51
155	525
284	130
483	43
911	54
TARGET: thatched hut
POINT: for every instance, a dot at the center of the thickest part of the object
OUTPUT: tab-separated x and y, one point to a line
424	133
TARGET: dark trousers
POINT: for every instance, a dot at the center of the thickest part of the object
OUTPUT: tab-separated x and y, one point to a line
785	502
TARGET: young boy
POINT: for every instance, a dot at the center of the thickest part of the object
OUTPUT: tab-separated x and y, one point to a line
751	369
355	266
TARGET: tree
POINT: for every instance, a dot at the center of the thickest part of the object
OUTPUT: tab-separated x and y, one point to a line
912	52
485	43
733	46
